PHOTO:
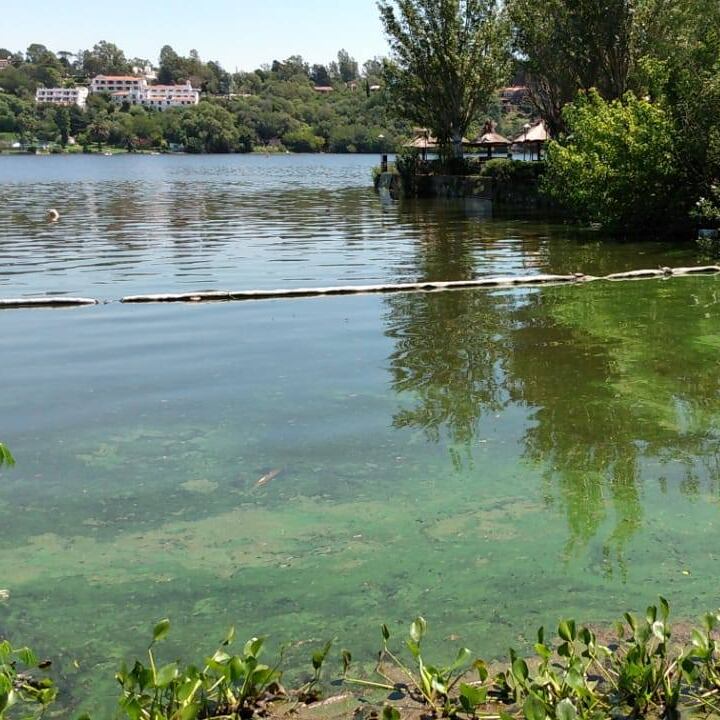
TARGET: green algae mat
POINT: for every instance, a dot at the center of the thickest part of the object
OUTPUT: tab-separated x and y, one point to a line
309	469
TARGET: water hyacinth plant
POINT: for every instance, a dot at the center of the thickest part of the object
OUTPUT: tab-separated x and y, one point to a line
224	685
22	694
573	676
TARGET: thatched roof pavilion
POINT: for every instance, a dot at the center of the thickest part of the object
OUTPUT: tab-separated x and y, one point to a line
533	139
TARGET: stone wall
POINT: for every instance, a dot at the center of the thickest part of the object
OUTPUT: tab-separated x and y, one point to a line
523	193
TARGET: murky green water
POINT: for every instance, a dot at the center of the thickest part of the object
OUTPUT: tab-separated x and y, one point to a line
494	460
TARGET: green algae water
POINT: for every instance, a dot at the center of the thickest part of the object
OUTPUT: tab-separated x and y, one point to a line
494	460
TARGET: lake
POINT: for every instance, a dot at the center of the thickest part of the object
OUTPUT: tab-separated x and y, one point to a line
494	460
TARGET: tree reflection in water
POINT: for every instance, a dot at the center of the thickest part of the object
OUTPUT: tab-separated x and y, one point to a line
619	383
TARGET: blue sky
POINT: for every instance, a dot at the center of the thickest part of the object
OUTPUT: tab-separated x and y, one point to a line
238	33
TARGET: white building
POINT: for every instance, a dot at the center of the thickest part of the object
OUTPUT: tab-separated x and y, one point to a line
62	96
117	83
165	96
136	91
146	71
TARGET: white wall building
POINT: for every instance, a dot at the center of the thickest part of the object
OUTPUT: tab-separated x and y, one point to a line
137	91
62	96
117	83
165	96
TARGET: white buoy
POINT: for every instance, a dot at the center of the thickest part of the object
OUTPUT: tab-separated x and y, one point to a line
52	215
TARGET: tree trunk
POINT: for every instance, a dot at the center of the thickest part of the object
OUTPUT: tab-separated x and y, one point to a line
457	146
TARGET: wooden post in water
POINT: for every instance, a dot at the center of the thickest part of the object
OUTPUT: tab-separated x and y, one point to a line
384	163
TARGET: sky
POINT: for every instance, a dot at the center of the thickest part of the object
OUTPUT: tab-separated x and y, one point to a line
241	34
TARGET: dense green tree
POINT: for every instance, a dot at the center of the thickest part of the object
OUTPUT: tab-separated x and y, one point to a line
571	45
618	166
449	56
347	66
62	122
105	58
320	76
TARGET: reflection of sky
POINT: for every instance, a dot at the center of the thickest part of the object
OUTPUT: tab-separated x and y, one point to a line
160	224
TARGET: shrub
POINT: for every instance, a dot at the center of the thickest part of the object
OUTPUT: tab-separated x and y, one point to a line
617	165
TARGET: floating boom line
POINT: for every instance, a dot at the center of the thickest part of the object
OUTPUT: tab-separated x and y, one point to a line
508	281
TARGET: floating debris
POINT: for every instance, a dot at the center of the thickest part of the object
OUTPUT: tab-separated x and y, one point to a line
4	595
268	476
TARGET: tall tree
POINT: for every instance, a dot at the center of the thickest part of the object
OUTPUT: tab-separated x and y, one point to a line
570	45
347	66
105	58
448	57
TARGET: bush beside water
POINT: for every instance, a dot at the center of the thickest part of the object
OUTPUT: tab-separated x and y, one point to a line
576	674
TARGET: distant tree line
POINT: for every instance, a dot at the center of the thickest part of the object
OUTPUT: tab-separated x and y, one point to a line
273	107
630	90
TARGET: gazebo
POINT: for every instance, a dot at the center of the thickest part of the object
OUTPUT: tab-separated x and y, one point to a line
533	139
422	141
491	141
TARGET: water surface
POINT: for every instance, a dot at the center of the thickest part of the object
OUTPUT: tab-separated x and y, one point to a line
492	459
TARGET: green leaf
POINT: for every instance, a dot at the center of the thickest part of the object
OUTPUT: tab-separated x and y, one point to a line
166	675
566	630
346	659
520	669
565	710
230	636
27	656
161	630
664	608
390	713
385	631
6	457
254	646
190	712
462	659
651	614
318	657
534	708
413	647
481	667
471	696
417	629
658	630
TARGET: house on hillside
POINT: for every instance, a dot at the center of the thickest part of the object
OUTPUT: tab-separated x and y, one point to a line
62	96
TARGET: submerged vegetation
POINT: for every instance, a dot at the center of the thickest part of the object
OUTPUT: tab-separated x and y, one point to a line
582	672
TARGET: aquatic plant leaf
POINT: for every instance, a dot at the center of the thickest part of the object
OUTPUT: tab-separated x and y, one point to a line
520	669
418	629
567	631
6	457
385	631
346	659
230	636
658	630
471	696
27	656
481	667
166	675
565	710
664	608
534	708
254	646
462	659
190	712
390	713
413	647
318	657
161	630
